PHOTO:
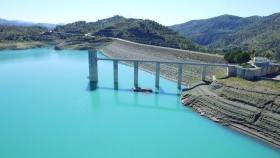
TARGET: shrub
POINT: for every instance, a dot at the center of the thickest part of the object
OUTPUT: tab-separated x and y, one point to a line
242	57
229	57
237	57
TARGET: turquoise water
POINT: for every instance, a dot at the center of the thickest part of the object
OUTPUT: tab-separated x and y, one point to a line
47	111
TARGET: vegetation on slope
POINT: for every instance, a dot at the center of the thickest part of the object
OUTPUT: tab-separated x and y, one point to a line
227	33
237	57
17	37
15	33
137	30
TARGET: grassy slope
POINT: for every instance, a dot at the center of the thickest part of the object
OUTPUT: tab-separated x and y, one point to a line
261	85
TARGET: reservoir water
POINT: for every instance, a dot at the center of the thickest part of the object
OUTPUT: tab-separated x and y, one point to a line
47	111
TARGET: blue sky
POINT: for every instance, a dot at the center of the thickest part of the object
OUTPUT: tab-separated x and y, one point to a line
166	12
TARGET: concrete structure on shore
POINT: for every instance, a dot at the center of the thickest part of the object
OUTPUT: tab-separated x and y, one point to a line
260	70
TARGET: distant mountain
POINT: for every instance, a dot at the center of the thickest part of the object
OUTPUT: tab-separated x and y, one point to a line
24	23
228	32
137	30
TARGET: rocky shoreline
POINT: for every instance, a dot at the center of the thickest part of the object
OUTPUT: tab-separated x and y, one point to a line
255	112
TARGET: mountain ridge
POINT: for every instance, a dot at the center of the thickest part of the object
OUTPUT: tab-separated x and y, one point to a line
25	23
136	30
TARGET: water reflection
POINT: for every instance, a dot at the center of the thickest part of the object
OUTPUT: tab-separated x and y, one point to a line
137	99
92	86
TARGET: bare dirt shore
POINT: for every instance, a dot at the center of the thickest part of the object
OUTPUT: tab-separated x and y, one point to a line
252	108
16	45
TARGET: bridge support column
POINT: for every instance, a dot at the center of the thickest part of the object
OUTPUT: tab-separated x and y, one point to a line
115	63
136	74
93	68
180	75
157	74
203	73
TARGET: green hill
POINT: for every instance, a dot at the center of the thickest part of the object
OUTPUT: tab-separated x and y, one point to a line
137	30
227	32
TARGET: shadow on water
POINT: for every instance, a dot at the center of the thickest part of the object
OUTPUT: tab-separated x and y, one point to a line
92	86
155	104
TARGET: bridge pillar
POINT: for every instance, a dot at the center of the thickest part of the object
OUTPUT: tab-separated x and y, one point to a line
115	64
180	75
157	74
203	72
135	74
93	68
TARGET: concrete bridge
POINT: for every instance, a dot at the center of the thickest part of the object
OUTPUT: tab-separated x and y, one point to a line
93	69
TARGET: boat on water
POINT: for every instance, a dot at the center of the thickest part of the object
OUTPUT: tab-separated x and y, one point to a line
143	90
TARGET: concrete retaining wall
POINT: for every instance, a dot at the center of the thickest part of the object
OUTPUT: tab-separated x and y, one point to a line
254	73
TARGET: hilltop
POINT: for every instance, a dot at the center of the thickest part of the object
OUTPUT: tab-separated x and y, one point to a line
137	30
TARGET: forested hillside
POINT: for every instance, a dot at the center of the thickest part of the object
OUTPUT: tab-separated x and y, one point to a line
16	33
137	30
226	33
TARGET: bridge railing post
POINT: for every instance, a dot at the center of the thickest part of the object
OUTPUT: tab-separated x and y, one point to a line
157	74
180	75
115	65
135	74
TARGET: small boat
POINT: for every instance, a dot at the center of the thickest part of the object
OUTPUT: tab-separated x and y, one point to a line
143	90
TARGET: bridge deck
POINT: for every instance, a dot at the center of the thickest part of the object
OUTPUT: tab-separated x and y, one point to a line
166	62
